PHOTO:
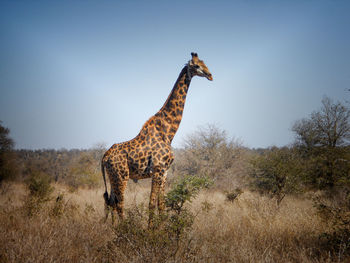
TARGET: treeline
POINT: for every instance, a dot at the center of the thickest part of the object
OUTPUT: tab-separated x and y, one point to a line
318	159
75	168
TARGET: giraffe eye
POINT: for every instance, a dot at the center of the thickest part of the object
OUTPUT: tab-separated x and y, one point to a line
196	66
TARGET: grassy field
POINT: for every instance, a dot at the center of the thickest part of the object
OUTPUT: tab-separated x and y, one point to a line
72	229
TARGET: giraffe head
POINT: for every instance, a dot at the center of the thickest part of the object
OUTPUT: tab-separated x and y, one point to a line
198	68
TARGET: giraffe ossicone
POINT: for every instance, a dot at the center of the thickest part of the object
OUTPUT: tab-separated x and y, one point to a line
149	154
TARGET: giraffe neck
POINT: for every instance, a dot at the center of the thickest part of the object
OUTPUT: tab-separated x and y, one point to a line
173	107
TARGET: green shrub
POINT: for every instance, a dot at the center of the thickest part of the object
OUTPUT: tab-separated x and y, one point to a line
184	191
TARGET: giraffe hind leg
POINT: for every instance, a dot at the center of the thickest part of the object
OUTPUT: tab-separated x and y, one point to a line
118	177
119	198
115	205
115	202
109	205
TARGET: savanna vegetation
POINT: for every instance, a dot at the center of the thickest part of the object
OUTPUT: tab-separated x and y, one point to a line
225	202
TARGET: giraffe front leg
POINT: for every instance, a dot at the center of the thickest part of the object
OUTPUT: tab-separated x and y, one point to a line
161	194
156	185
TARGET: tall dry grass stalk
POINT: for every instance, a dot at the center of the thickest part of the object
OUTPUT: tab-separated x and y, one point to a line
250	229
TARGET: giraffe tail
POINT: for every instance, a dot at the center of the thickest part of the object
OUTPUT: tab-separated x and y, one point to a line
105	195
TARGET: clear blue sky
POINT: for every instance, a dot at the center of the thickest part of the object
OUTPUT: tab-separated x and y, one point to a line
76	73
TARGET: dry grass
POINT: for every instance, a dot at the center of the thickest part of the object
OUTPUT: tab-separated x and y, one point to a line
254	229
251	229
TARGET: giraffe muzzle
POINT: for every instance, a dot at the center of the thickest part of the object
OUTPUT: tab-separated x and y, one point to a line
209	77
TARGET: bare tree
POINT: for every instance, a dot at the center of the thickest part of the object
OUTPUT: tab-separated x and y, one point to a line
209	152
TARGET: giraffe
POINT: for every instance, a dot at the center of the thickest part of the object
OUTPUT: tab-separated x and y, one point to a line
149	154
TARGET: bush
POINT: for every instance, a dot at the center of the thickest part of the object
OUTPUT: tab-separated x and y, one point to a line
335	212
184	191
276	171
84	172
180	219
40	191
39	186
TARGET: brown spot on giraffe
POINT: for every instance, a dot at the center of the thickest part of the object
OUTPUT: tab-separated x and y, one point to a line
149	154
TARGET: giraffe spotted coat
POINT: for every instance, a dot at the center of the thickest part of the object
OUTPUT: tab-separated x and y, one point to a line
149	154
